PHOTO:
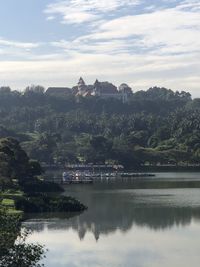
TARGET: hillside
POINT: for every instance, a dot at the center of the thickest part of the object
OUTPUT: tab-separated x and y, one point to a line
153	126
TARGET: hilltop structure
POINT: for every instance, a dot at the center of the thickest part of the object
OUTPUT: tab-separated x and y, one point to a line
103	90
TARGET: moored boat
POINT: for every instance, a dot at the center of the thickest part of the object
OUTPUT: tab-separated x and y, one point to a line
76	178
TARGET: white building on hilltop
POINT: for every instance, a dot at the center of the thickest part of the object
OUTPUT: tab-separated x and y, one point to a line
104	90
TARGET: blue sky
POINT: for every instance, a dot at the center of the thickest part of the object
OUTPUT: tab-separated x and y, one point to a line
141	42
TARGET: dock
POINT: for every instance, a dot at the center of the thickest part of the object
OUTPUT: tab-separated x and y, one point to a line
90	178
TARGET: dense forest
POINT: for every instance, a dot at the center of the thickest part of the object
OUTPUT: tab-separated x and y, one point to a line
157	126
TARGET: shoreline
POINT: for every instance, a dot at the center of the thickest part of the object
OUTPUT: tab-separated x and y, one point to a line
143	169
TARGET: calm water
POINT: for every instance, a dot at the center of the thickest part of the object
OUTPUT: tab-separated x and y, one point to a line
140	222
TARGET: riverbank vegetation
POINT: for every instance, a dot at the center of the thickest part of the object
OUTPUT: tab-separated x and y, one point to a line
14	251
22	188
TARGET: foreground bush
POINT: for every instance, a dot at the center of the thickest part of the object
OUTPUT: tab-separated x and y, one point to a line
14	251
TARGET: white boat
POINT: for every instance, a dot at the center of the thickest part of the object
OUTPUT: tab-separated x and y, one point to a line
76	178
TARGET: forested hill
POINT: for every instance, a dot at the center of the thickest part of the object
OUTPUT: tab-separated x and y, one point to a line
155	126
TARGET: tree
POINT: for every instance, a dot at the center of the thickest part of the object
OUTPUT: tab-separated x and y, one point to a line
55	129
14	251
14	163
38	89
101	148
5	90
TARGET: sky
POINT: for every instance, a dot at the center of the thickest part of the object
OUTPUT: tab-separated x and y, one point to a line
143	43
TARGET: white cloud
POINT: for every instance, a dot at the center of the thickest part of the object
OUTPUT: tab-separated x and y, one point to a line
110	47
164	31
168	28
49	18
15	44
14	49
79	11
155	47
178	72
193	5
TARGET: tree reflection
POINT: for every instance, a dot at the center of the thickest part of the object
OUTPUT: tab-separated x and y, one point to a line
104	223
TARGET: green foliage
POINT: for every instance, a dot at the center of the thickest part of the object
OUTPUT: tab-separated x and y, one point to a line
36	185
48	203
7	202
15	164
55	129
14	251
5	182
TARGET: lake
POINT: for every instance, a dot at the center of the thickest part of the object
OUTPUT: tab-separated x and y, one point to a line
147	222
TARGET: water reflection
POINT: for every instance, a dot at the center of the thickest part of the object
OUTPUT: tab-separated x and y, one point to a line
125	225
111	210
153	218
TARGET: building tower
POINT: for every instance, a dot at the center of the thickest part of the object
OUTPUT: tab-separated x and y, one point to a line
82	88
97	88
125	91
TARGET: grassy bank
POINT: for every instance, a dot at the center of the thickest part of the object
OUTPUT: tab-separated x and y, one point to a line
37	201
7	201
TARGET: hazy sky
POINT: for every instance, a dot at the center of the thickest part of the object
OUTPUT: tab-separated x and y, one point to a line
141	42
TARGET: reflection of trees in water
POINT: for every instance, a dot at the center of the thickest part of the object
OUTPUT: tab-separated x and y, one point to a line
153	218
104	222
113	207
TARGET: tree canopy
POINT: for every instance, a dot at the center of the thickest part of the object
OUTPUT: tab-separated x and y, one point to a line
154	126
14	251
15	164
